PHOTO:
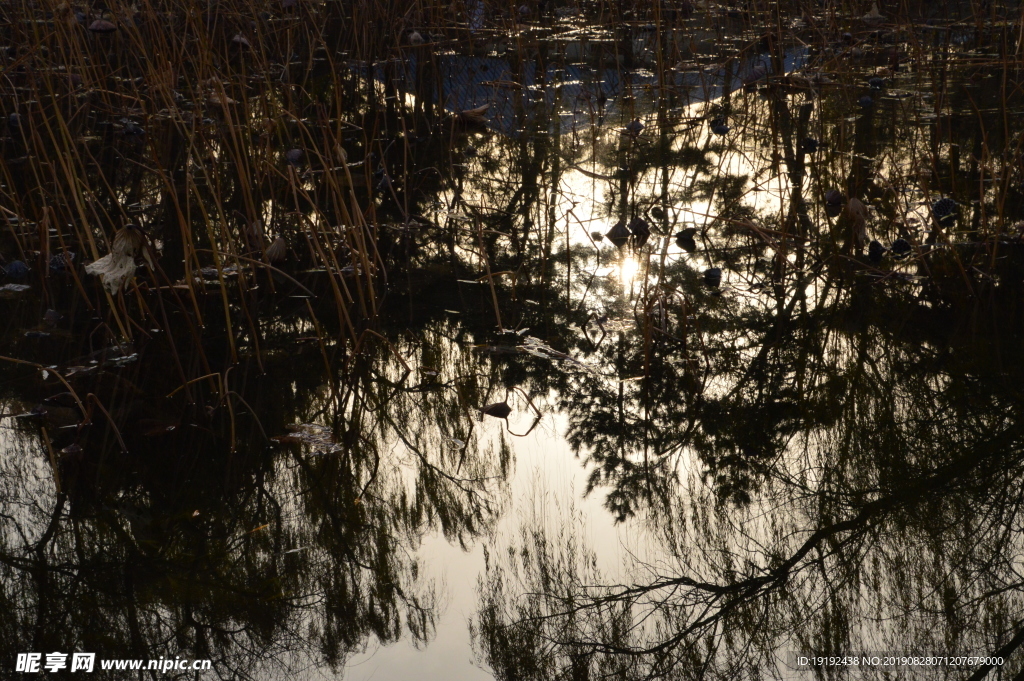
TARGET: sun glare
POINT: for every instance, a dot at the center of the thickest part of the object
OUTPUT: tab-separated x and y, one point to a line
629	268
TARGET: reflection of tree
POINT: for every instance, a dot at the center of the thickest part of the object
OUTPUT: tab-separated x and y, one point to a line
879	464
253	557
815	447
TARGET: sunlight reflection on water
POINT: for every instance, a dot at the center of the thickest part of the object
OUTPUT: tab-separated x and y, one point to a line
546	491
628	269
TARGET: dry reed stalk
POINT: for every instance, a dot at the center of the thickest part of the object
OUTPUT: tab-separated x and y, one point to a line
487	269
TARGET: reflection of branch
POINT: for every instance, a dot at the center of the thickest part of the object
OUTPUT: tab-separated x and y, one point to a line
724	598
251	411
536	412
63	380
11	561
456	481
92	399
259	263
528	400
390	347
422	387
51	529
533	425
1016	642
487	268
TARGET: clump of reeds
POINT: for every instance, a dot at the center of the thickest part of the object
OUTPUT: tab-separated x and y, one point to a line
180	120
251	139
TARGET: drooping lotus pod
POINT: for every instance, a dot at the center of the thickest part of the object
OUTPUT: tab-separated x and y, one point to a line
640	230
834	202
618	234
499	410
875	252
901	248
945	210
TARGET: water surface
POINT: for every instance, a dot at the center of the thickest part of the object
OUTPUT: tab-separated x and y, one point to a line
381	397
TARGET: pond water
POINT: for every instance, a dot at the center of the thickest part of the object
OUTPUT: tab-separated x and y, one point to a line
563	341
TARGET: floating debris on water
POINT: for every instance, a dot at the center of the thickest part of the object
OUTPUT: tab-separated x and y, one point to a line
473	117
59	262
102	26
318	437
17	270
122	361
537	348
